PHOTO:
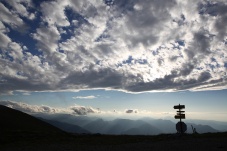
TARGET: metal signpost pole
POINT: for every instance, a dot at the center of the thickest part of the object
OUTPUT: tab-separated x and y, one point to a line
180	121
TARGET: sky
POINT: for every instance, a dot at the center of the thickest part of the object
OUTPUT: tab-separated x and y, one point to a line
114	58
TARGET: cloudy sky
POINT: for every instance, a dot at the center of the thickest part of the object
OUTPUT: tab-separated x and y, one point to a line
114	56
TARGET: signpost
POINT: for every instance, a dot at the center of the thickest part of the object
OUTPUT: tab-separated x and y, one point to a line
179	106
180	126
180	116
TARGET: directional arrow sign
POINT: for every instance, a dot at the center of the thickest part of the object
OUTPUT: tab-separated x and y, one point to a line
179	107
180	111
180	116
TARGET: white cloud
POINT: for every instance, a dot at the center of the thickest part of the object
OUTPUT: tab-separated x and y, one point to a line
132	46
30	108
79	110
82	110
47	38
21	7
26	93
12	19
131	111
53	12
5	40
85	97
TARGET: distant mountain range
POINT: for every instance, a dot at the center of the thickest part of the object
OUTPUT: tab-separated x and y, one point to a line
13	121
143	126
20	131
70	128
201	128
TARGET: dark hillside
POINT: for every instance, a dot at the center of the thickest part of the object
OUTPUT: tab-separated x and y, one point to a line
16	125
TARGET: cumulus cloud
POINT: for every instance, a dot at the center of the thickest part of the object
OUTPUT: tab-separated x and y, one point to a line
82	110
78	110
131	111
11	19
133	46
21	7
29	108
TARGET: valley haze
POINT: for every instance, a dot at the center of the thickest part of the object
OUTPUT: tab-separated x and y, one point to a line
118	125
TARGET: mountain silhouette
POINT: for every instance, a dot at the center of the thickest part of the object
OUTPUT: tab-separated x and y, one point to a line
16	125
98	126
218	125
166	126
145	129
200	128
70	128
122	126
67	118
118	126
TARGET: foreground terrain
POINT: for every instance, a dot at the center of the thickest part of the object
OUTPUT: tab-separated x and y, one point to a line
22	132
214	141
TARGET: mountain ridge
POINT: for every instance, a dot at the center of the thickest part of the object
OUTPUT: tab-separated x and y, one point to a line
119	126
70	128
